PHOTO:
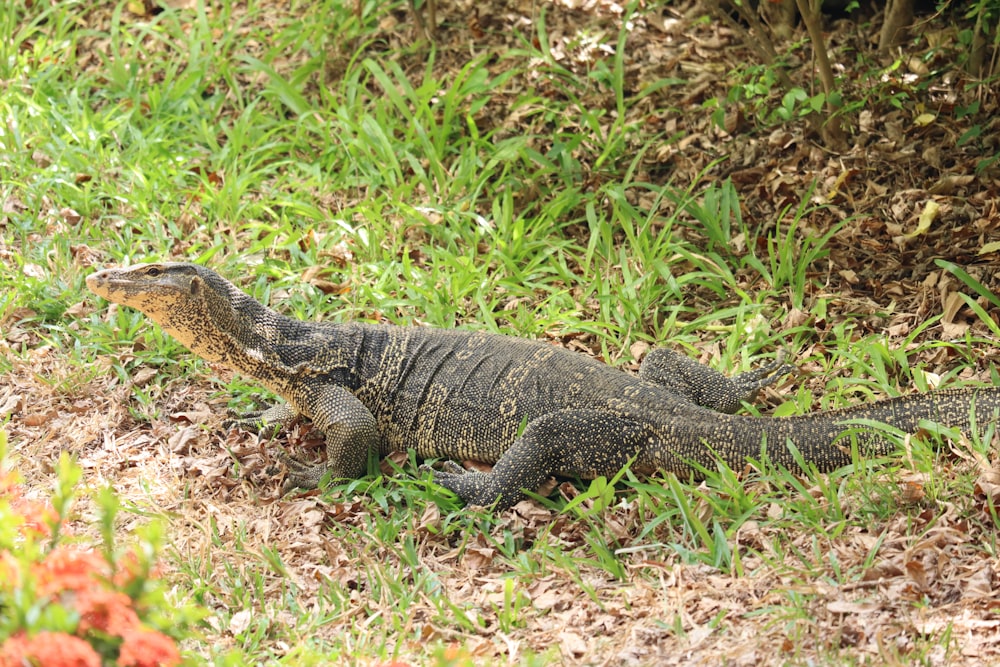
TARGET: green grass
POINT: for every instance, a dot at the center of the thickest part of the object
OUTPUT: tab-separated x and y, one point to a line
200	135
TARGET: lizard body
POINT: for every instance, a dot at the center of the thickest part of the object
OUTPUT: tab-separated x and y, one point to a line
467	395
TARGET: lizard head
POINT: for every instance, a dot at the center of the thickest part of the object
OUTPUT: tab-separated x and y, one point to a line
190	302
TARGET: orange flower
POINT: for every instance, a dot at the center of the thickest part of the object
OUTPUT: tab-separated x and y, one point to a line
8	480
109	612
48	648
37	515
10	483
68	570
13	650
148	648
128	568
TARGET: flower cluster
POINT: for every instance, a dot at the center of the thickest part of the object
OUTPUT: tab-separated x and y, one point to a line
65	606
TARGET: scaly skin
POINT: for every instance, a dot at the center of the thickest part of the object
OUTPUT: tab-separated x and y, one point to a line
465	395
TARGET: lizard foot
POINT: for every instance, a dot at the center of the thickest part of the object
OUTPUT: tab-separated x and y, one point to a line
473	487
749	383
301	474
704	386
265	423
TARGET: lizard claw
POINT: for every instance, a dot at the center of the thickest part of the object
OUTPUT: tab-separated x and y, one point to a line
301	474
254	425
473	487
447	470
266	423
748	384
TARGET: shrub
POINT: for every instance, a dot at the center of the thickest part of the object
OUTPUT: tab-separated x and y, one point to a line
64	604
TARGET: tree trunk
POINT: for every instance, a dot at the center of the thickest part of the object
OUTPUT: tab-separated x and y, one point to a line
832	129
898	17
780	15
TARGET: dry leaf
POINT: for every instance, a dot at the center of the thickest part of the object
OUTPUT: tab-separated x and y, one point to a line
10	406
639	349
240	621
572	643
848	607
39	418
179	441
927	216
143	375
33	271
917	573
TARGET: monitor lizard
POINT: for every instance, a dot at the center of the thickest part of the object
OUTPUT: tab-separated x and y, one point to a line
530	408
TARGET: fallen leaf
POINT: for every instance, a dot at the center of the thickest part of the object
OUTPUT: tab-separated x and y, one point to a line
927	216
240	621
142	376
33	271
849	607
992	246
10	406
39	418
572	643
179	441
639	349
918	574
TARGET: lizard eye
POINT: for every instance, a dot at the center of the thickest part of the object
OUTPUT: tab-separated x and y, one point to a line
153	271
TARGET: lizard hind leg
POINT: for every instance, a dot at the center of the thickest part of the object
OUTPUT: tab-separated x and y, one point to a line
706	386
569	443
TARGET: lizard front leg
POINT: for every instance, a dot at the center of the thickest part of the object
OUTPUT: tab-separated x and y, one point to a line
350	431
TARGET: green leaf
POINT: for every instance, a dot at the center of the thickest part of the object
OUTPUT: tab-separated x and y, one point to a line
969	281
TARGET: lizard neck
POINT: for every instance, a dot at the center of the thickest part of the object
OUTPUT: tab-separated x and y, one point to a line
260	342
280	351
224	325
